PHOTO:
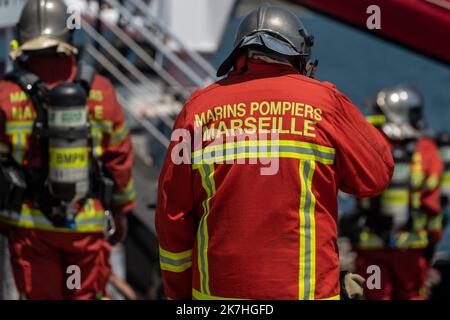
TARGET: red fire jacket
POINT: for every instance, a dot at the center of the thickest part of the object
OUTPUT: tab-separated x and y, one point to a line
425	171
110	136
226	230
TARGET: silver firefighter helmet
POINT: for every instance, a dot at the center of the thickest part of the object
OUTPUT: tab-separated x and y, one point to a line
401	107
43	25
271	28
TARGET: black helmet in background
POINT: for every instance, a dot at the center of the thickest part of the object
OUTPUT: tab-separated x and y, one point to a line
272	29
398	111
42	27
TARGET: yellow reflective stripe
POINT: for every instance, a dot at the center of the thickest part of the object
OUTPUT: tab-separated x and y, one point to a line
119	135
307	255
446	178
376	119
432	182
395	197
417	179
265	143
88	220
18	130
175	255
405	240
196	295
435	223
102	125
419	222
207	177
416	199
202	296
262	149
13	127
369	240
18	147
172	268
337	297
412	240
98	128
257	143
175	261
125	195
97	137
49	227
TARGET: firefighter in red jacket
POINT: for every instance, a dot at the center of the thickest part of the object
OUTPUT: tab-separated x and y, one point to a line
251	212
403	223
65	166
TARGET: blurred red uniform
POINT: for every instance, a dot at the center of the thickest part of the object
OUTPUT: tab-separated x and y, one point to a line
41	252
402	262
225	230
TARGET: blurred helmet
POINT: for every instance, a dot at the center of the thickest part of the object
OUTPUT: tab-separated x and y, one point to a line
399	111
443	143
43	25
274	29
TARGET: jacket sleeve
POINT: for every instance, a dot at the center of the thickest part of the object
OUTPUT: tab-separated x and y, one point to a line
430	199
175	216
4	147
118	156
364	161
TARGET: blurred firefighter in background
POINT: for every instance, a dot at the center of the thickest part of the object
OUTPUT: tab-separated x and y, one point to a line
66	163
439	277
226	230
401	227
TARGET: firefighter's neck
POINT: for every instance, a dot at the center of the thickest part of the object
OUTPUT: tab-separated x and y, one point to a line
52	69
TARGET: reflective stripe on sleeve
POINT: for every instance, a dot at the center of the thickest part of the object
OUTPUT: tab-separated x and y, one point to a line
175	261
432	182
18	131
119	135
98	129
121	197
376	119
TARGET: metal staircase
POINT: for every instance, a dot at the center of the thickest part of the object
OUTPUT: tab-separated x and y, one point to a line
135	83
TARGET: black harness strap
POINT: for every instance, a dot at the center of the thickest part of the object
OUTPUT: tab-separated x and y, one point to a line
32	85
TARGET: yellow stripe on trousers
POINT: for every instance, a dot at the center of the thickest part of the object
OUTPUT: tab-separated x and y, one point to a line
307	255
207	176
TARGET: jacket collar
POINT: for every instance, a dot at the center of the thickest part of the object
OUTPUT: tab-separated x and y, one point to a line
254	66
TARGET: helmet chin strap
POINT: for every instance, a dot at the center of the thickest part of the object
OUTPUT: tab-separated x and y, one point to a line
241	63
